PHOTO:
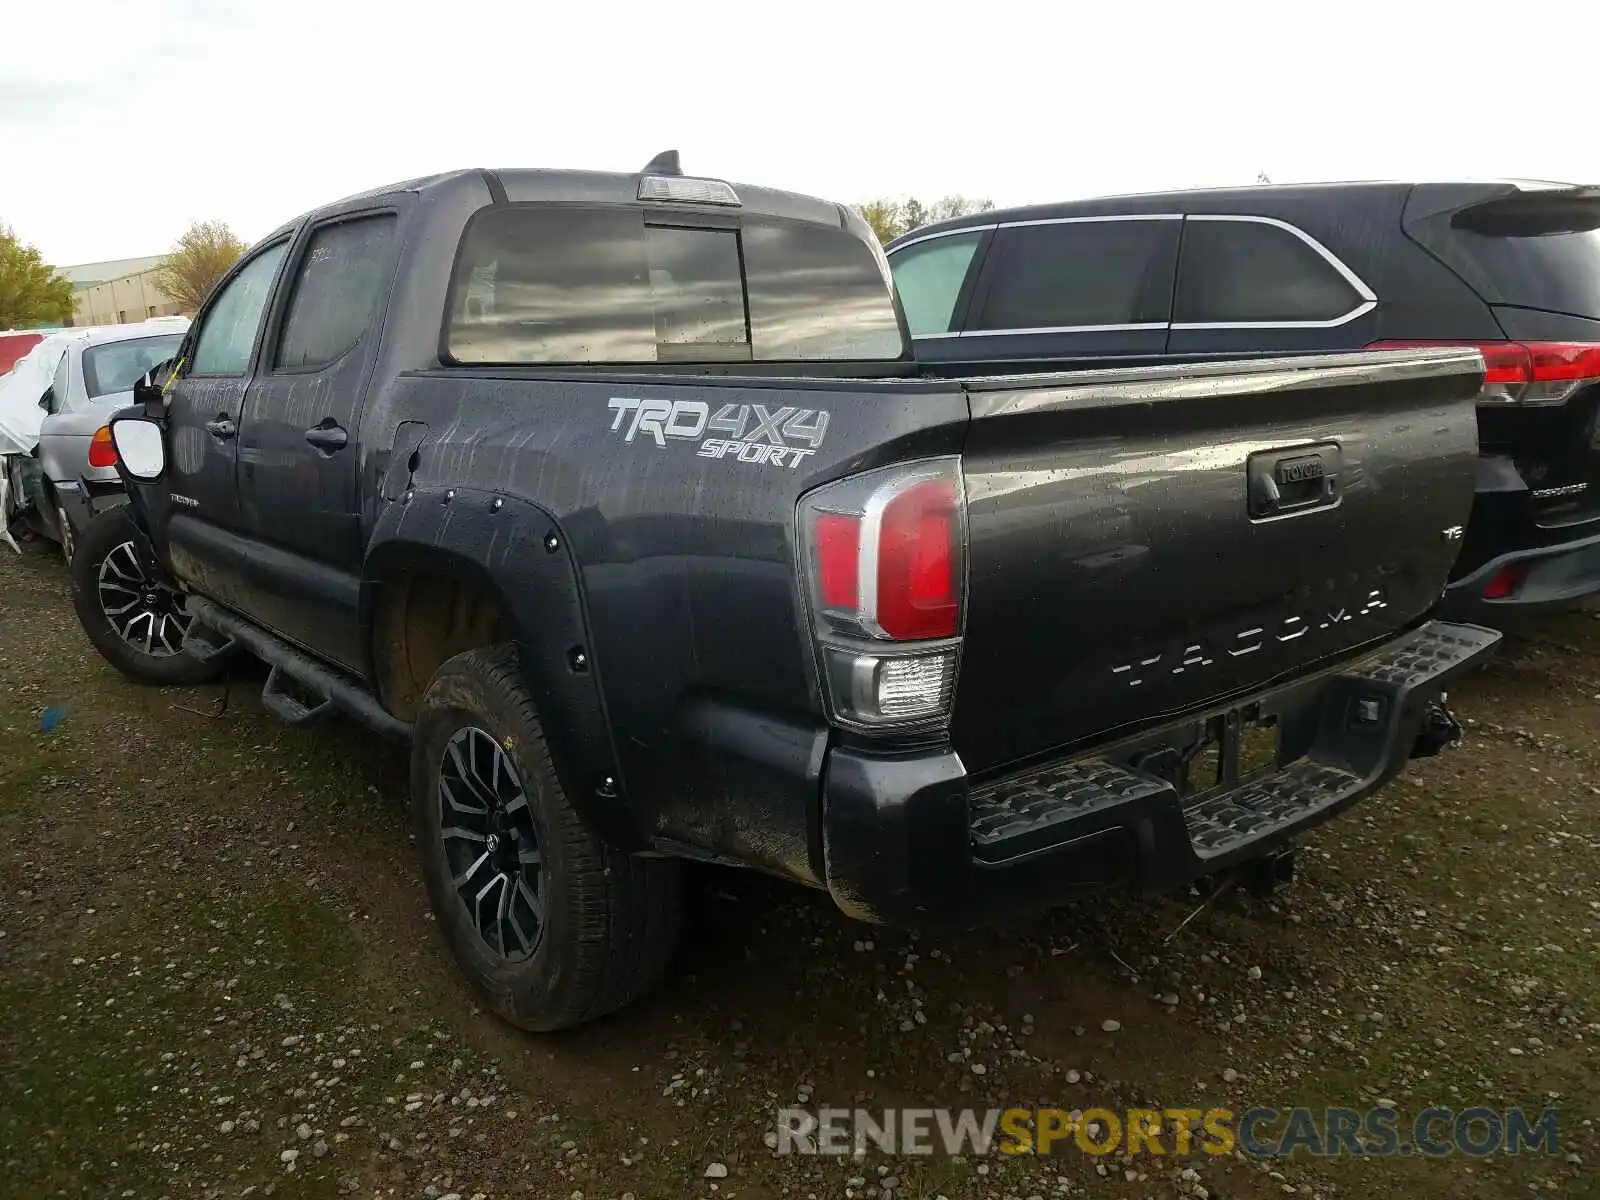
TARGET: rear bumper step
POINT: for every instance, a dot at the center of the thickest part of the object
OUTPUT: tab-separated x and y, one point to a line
912	839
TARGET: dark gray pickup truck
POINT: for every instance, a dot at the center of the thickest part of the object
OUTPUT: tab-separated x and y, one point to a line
620	497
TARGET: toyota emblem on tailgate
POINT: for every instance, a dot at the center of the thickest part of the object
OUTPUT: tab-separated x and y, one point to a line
1301	470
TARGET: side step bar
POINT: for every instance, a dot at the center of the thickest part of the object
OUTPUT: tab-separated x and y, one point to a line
326	689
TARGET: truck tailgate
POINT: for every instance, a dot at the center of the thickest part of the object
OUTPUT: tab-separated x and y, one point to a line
1148	540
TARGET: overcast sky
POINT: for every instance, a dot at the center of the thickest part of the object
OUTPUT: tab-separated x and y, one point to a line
122	122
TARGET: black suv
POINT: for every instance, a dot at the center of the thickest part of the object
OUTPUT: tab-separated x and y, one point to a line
1511	267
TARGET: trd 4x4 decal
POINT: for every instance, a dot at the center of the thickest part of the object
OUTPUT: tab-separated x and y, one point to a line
782	436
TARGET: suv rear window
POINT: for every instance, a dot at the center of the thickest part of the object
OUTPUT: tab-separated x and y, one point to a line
1556	272
553	284
1075	274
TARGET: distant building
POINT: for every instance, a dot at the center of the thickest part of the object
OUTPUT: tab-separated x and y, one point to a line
116	292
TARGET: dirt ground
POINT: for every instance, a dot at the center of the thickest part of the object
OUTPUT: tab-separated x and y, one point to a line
218	977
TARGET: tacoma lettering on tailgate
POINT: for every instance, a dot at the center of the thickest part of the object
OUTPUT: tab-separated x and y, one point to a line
1198	655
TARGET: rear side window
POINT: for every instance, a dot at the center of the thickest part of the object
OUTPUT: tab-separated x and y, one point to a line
547	284
342	274
928	276
1250	272
1075	274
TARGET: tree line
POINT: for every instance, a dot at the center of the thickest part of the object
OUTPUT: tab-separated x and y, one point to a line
34	293
894	218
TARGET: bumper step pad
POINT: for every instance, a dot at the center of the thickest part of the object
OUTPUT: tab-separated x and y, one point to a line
1052	806
1425	653
1221	823
1024	807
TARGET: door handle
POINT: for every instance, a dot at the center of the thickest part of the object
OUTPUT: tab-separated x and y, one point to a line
222	428
1283	483
327	436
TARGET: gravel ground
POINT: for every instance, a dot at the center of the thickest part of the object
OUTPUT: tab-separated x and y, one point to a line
218	977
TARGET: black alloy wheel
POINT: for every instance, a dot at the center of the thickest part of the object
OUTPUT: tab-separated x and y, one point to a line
136	619
143	612
491	844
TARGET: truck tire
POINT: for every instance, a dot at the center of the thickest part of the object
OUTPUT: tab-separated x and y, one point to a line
552	925
136	623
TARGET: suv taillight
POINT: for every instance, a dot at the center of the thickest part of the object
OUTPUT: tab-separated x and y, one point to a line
1526	372
884	560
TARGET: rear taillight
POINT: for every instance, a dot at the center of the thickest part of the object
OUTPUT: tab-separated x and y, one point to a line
102	452
1526	372
884	558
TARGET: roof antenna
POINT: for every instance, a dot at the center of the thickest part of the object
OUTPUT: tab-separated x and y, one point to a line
665	163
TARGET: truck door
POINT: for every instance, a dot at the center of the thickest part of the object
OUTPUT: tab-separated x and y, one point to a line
203	416
299	507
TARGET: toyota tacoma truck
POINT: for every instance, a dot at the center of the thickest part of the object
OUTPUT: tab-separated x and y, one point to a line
620	498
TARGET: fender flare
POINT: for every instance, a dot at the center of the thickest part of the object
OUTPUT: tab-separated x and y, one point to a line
518	551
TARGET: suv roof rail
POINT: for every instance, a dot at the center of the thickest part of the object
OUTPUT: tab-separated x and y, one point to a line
665	163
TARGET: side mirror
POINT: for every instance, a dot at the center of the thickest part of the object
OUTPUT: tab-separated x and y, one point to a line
48	400
141	450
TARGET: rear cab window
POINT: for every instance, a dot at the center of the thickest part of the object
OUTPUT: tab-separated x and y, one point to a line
554	284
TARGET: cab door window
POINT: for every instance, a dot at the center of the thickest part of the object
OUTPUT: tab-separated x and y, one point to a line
228	333
344	272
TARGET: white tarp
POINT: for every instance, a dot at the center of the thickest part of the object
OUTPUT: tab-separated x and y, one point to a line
21	416
21	387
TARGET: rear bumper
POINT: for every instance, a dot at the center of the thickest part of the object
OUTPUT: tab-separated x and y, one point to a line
1544	564
910	839
1543	575
82	499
